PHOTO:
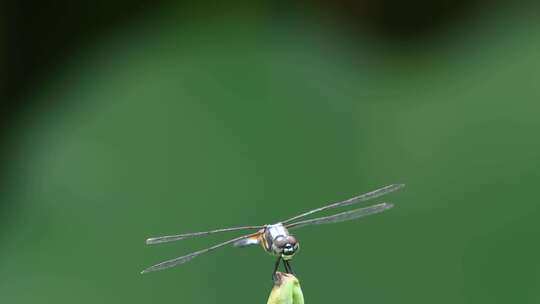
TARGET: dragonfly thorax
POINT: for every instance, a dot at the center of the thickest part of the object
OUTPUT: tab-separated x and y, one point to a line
278	241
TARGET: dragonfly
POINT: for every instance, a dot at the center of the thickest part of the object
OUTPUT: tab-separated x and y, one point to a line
275	239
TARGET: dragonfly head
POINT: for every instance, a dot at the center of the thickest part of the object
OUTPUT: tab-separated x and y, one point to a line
288	246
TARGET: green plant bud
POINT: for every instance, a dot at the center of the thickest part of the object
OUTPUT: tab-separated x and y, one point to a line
286	290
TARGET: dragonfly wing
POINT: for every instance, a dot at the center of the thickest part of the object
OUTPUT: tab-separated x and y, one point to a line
343	216
171	238
186	258
354	200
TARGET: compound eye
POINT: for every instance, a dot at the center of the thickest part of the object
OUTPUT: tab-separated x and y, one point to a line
280	242
292	240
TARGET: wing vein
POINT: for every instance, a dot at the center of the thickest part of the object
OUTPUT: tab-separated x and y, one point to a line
177	237
354	200
343	216
188	257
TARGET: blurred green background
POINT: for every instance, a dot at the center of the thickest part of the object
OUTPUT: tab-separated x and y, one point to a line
178	121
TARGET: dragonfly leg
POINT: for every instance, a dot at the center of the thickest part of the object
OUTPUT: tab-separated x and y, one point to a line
276	266
288	267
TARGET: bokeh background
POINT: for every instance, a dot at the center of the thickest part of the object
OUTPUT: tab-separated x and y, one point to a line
122	120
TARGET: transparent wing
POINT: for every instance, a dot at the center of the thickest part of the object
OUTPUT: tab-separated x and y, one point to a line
171	238
357	199
189	257
343	216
